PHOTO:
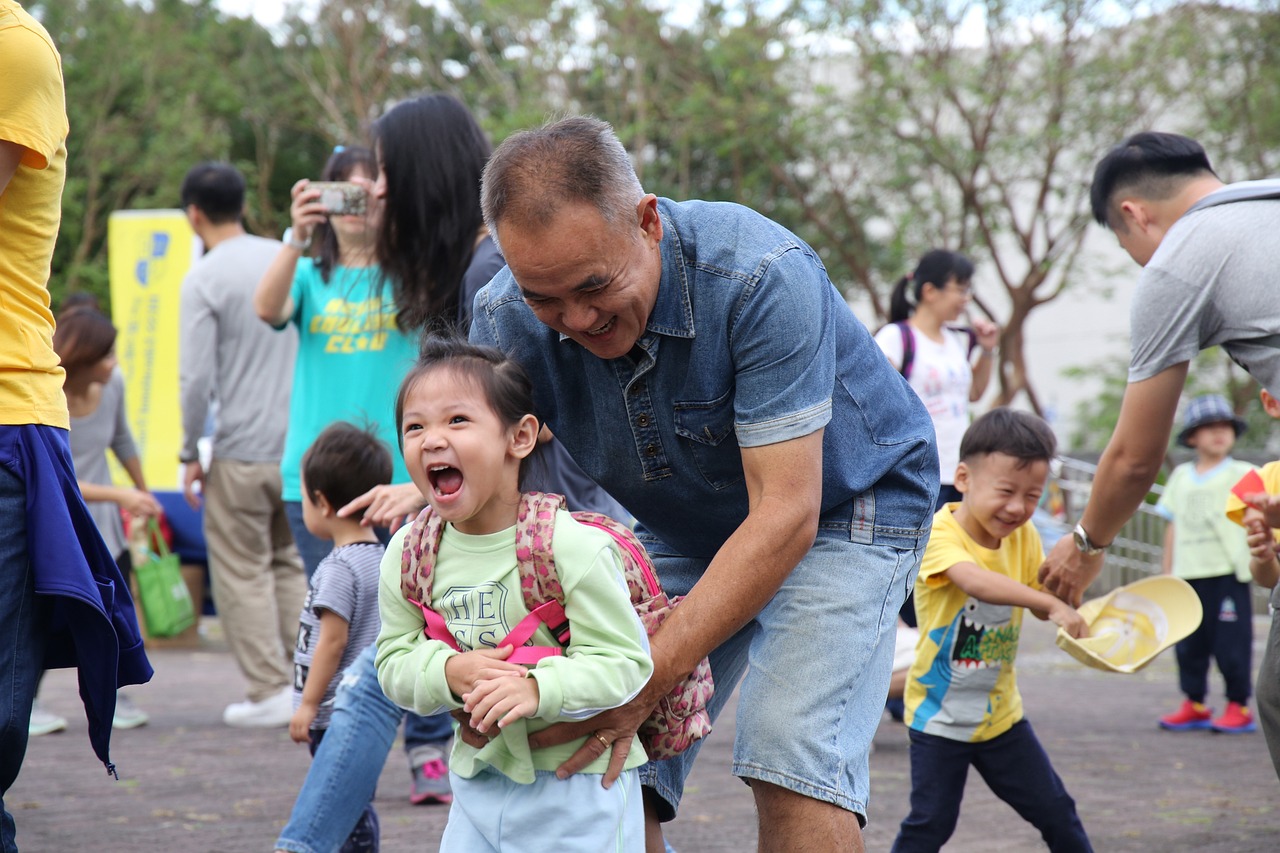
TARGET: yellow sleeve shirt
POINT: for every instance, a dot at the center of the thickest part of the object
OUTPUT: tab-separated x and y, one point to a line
32	114
962	685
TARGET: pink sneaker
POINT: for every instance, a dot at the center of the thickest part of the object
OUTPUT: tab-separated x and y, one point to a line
431	783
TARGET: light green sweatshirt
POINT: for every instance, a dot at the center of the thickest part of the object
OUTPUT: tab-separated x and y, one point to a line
476	588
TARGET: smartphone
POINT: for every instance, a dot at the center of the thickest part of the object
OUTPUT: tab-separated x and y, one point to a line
342	198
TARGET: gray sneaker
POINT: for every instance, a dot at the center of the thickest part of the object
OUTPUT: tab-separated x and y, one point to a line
430	775
44	722
128	715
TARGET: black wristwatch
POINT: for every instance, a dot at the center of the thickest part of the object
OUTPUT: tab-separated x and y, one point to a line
1085	545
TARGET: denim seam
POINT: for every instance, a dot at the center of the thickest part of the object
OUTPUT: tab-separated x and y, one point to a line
744	770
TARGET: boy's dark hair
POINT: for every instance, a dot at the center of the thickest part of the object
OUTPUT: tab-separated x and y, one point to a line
1021	435
343	463
1150	165
217	191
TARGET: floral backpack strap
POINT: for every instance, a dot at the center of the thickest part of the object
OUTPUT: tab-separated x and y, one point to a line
417	567
539	582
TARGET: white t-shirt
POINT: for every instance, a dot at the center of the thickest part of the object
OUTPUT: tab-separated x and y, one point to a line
941	376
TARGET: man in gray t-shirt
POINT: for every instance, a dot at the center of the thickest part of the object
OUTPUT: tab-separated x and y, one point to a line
1209	254
228	355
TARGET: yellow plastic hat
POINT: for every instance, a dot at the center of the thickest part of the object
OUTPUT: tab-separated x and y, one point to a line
1129	626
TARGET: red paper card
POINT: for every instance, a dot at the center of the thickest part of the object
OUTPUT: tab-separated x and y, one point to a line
1250	484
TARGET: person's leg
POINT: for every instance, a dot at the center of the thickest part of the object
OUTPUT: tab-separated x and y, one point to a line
24	624
289	579
938	770
1195	651
344	773
238	532
426	744
1017	769
311	548
1233	640
1268	697
810	747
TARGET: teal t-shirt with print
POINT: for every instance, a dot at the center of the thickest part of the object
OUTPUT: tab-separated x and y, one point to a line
351	358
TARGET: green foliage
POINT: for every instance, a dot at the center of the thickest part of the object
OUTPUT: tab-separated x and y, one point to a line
1212	372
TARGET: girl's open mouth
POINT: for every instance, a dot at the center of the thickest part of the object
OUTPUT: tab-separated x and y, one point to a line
445	480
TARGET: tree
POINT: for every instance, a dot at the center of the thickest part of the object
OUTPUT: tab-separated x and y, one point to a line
984	140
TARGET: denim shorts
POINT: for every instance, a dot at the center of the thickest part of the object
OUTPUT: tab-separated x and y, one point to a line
817	660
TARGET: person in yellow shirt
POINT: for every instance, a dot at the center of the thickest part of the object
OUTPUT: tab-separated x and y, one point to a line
56	569
962	702
1260	517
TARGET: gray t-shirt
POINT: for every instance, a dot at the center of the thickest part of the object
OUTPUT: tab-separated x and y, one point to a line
1213	281
227	353
106	427
345	583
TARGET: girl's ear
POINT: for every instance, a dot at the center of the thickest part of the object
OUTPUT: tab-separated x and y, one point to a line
524	437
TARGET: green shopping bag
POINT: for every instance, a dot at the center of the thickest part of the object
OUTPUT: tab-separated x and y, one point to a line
166	602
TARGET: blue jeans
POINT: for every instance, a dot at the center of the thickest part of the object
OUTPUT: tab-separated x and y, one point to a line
843	597
23	632
1015	768
364	838
344	772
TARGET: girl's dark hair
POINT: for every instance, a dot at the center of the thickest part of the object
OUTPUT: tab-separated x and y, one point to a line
341	164
83	337
343	463
935	268
504	383
1021	435
432	152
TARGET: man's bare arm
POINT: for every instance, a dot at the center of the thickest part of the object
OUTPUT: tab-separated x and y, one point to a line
1125	473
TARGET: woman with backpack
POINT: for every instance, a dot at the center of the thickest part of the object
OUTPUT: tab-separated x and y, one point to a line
937	358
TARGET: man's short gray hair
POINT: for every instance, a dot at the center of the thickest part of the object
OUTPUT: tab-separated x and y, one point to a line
534	173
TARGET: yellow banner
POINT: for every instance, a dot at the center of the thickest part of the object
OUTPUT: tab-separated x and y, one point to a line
149	252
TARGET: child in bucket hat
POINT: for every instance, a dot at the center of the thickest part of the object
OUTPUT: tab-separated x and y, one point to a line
1204	548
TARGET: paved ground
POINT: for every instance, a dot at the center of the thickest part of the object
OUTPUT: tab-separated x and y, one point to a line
187	783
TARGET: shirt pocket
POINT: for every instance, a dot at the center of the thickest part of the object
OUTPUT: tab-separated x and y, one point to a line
707	427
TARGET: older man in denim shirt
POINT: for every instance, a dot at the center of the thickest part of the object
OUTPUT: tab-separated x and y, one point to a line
695	360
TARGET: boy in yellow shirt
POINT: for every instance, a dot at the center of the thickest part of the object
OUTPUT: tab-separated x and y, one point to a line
963	706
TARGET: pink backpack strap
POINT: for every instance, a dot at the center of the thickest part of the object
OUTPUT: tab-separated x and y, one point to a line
417	568
539	582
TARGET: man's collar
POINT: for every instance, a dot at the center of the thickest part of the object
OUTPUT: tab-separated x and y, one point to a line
672	313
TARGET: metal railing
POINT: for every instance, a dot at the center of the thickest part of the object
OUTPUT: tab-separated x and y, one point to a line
1138	548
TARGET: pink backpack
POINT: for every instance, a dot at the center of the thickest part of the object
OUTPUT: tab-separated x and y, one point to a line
680	718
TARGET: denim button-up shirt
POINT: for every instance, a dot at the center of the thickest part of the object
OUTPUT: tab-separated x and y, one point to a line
748	344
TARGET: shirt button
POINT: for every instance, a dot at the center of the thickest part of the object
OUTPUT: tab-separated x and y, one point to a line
651	450
643	421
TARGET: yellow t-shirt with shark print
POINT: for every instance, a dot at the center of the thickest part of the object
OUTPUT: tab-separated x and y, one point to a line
962	685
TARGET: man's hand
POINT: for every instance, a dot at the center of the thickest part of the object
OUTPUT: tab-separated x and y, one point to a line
386	506
501	700
192	474
140	504
1066	572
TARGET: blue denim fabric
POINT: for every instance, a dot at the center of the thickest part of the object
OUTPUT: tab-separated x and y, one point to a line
1013	765
345	768
748	344
814	741
23	631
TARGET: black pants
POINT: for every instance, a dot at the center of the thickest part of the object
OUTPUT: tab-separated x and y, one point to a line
1225	635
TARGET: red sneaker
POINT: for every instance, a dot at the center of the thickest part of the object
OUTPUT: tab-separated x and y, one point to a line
1237	719
1190	716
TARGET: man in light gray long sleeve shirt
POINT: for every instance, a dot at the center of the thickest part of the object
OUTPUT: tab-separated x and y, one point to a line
229	355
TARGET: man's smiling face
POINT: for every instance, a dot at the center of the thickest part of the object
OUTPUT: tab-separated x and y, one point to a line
588	279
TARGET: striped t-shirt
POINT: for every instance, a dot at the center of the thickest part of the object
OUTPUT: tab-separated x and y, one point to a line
345	583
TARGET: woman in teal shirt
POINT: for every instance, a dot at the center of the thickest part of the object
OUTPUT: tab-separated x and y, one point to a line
351	352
